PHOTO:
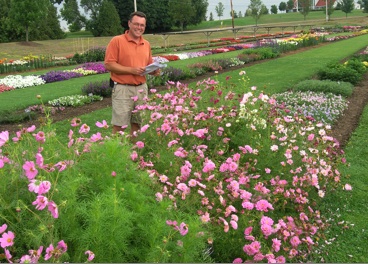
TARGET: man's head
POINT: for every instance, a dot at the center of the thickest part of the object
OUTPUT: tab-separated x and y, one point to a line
137	24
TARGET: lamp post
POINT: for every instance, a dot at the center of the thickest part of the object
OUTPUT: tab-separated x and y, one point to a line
135	5
326	11
232	12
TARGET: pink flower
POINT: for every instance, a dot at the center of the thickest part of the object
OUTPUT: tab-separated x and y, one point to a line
238	260
31	129
276	244
295	241
205	218
4	137
248	205
7	255
348	187
134	155
310	137
41	202
7	239
30	170
90	254
103	124
265	220
96	137
263	205
75	122
49	252
52	207
253	248
144	128
25	259
208	166
183	229
266	230
140	144
40	137
84	129
248	230
3	228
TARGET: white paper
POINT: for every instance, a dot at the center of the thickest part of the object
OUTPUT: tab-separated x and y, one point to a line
153	66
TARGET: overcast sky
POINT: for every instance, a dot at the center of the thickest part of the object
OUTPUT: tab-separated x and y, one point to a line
238	5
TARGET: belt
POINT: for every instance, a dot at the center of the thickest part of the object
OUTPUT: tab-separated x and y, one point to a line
128	84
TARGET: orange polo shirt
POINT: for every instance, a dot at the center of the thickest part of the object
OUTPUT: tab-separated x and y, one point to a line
125	51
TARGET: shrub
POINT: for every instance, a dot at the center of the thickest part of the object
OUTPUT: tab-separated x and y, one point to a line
356	64
101	88
92	55
338	72
174	74
263	52
10	117
326	86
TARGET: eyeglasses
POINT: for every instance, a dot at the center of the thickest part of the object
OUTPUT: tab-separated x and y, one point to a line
139	25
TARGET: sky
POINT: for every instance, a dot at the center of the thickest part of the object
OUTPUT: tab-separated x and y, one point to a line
238	5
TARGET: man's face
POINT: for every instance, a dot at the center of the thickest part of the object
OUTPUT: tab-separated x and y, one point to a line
137	26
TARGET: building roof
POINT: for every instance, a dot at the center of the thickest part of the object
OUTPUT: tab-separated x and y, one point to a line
322	3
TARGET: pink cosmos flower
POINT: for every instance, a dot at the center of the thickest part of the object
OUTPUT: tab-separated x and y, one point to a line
39	160
252	248
7	239
113	174
3	228
134	155
7	255
90	254
348	187
208	166
238	260
84	129
52	207
96	137
35	254
140	144
248	230
41	202
205	218
267	230
103	124
144	128
159	197
183	229
49	252
30	170
310	137
25	259
276	244
4	137
263	205
295	241
40	137
248	205
75	122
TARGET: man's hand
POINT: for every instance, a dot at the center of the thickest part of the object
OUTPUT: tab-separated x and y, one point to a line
156	72
138	71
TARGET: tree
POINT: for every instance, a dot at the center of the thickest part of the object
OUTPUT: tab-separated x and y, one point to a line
220	10
347	6
365	6
257	9
235	14
70	13
108	27
282	6
305	6
274	9
211	17
181	12
240	14
26	13
289	5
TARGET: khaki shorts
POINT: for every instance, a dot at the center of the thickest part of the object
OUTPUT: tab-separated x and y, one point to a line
123	104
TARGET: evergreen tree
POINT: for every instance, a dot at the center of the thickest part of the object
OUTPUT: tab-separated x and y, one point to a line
289	5
112	25
211	17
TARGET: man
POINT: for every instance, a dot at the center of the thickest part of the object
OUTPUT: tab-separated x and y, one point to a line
126	58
